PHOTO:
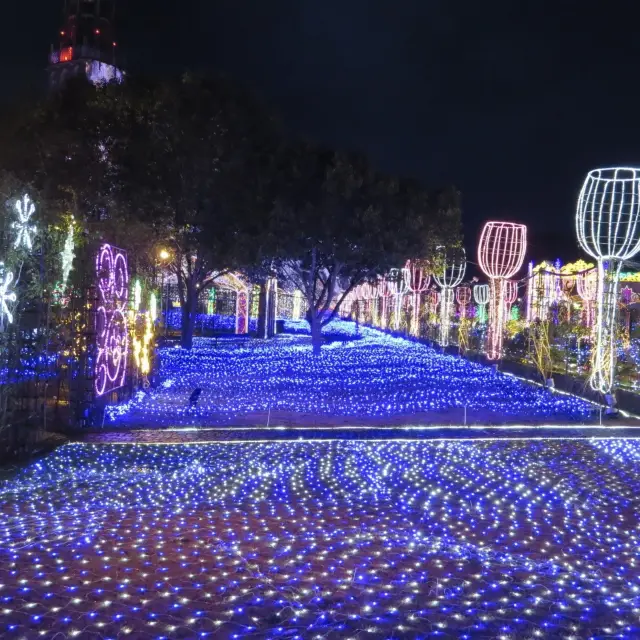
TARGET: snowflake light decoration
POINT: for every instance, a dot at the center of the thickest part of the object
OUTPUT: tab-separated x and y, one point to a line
6	278
25	209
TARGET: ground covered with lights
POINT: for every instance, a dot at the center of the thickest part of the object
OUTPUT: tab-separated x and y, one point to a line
341	539
368	378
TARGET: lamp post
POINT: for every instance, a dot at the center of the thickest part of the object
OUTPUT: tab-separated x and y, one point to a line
163	258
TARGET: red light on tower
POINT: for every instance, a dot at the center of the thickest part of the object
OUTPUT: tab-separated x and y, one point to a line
501	252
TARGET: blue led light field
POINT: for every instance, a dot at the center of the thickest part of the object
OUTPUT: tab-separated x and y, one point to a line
482	539
376	379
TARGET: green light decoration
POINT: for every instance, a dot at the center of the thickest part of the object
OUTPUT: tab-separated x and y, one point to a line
211	302
515	313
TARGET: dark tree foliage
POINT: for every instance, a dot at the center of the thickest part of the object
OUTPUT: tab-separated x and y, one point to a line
338	222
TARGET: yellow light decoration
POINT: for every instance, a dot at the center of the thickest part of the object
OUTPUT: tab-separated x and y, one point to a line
153	306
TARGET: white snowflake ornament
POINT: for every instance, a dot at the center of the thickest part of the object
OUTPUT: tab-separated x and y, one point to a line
25	209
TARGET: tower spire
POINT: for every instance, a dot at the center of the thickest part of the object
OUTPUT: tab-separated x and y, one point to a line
86	44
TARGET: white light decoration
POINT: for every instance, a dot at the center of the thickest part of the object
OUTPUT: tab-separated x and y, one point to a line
398	287
481	296
607	224
68	254
6	278
153	306
501	252
452	267
297	304
417	282
25	229
510	295
587	285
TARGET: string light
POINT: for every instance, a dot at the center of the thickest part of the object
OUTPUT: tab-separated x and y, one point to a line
68	254
112	334
501	252
608	214
374	377
453	264
6	295
347	539
25	229
481	296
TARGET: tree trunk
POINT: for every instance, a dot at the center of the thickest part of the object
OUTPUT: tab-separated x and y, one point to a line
262	311
188	316
316	333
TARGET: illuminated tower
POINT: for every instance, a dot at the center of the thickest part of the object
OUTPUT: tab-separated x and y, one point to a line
87	45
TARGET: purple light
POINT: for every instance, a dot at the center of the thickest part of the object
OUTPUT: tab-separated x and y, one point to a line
112	335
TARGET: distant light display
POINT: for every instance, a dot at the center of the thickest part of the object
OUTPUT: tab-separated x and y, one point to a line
450	273
417	281
608	228
481	296
338	539
587	285
112	333
501	252
374	377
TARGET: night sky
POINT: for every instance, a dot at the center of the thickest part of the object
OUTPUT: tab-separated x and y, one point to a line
513	102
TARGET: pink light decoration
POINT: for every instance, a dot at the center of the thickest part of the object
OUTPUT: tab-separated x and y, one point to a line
463	298
501	252
510	295
112	334
587	285
417	281
242	312
384	292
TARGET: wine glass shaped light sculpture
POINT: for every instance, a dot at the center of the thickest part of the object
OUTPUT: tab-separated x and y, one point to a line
501	253
384	292
417	282
463	298
510	296
451	270
587	285
398	287
481	296
608	228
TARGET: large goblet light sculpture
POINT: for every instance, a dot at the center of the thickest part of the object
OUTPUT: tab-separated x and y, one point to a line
452	267
501	253
417	282
607	224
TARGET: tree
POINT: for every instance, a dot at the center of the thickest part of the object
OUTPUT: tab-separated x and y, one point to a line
179	153
337	222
